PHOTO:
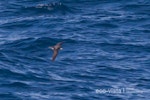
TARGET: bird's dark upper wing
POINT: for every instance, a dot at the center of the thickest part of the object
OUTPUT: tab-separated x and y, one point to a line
54	55
60	43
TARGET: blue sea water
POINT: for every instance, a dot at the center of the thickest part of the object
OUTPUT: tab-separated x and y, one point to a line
107	47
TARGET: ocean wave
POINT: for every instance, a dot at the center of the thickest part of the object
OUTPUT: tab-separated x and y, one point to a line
16	84
54	7
9	95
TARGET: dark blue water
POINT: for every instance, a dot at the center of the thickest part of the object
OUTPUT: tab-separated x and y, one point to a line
107	46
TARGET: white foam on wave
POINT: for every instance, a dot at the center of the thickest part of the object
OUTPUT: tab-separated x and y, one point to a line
58	77
31	18
33	95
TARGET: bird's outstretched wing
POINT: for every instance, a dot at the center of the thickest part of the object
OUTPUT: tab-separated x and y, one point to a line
55	53
51	48
60	43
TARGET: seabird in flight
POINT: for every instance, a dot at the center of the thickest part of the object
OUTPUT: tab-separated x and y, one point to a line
56	49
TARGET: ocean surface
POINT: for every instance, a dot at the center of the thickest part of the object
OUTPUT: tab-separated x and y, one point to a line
106	54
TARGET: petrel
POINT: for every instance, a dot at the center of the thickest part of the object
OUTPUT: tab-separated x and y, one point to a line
56	49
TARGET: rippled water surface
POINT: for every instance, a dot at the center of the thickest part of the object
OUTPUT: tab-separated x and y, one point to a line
107	47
